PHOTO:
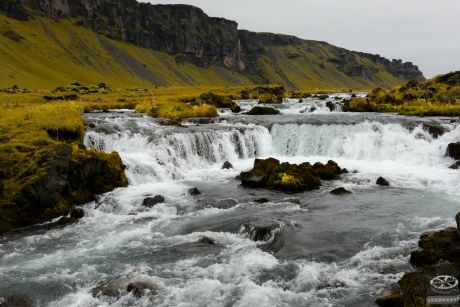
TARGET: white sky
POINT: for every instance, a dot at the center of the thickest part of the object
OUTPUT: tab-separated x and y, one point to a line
426	32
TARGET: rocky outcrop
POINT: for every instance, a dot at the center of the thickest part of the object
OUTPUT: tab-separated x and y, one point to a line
263	111
59	177
438	254
382	182
289	178
190	35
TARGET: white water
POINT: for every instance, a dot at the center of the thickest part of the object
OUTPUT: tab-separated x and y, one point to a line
340	251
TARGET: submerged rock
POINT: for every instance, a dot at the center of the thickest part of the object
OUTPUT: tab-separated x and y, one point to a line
178	252
453	151
150	202
261	230
194	192
17	300
382	182
207	240
115	288
140	289
340	191
436	130
392	298
456	165
227	165
286	177
262	200
226	203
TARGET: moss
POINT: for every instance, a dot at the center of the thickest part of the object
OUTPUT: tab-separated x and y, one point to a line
263	111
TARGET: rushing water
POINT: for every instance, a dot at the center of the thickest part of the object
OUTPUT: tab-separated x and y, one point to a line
333	251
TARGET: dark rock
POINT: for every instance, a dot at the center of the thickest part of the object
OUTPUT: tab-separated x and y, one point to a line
194	192
63	177
77	213
344	171
453	151
140	289
263	111
178	252
115	288
17	300
391	299
457	220
434	129
286	177
456	165
227	165
340	191
226	203
262	230
262	200
150	202
331	106
382	182
207	240
322	97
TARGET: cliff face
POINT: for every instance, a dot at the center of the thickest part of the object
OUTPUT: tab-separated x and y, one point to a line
191	36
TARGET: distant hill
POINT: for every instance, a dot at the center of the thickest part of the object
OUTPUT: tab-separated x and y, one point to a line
45	43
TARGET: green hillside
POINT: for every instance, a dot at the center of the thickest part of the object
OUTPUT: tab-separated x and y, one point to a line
44	53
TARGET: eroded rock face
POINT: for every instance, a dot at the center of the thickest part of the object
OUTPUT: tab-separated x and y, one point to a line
62	177
289	178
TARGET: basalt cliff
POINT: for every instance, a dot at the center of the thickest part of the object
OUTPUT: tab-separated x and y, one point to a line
125	41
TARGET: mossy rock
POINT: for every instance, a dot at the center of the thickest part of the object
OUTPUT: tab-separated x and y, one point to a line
263	111
286	177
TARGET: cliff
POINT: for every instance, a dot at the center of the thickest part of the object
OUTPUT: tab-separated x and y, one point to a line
191	37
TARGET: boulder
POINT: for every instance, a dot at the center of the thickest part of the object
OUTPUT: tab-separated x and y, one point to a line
262	200
453	150
227	165
340	191
286	177
150	202
17	300
434	129
330	105
456	165
115	288
263	111
261	230
140	289
226	203
194	192
77	213
207	240
392	298
382	182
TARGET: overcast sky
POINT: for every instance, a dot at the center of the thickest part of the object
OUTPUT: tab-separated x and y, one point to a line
426	32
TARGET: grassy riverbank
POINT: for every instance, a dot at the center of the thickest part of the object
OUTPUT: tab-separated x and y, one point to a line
439	96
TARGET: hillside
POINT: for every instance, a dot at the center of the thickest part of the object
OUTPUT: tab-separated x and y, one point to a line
48	43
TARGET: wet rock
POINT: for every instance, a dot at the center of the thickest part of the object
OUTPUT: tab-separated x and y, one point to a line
292	200
331	106
456	165
322	97
382	182
453	151
140	289
178	252
262	200
62	177
392	298
115	288
261	230
457	220
17	300
150	202
344	171
286	177
340	191
227	165
207	240
226	203
194	192
77	213
436	130
263	111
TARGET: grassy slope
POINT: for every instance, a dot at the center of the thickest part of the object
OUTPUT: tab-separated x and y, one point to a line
53	53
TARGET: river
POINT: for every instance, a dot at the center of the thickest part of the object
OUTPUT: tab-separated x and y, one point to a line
329	250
